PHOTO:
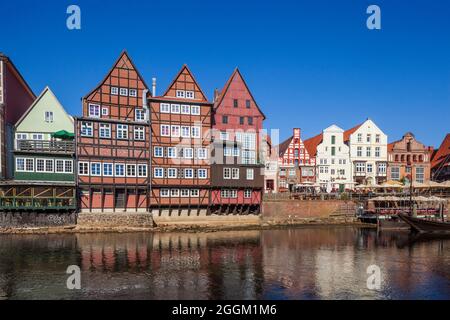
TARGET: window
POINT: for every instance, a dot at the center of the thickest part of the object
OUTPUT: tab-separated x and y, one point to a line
368	152
360	167
250	174
180	94
202	153
86	129
48	116
333	151
247	193
175	131
68	166
158	173
382	168
94	110
139	115
202	173
292	173
420	174
175	108
224	193
139	133
235	173
96	169
188	173
38	136
22	136
105	111
120	170
235	152
195	193
83	168
224	136
122	131
158	152
185	109
174	192
225	119
186	131
233	194
165	130
395	173
248	157
359	152
195	110
142	170
369	137
171	152
20	164
241	120
105	130
188	153
108	169
164	108
133	93
359	137
185	193
124	92
59	166
377	152
114	91
235	103
369	168
247	104
49	165
190	94
165	193
171	173
131	170
227	173
250	121
377	138
195	132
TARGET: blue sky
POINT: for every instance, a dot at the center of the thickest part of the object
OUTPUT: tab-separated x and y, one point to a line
309	64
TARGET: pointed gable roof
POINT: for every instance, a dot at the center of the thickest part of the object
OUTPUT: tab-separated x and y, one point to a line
442	153
124	62
185	80
349	132
312	143
47	92
282	147
236	76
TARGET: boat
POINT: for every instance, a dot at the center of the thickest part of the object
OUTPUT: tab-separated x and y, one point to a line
426	226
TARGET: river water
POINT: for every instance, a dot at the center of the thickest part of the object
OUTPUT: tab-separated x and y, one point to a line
296	263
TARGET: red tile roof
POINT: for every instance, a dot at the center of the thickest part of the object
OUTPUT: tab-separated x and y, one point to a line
349	132
282	147
442	153
312	143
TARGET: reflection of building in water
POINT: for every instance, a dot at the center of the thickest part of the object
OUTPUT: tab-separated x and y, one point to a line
172	265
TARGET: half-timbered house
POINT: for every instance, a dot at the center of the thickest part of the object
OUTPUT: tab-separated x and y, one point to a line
237	178
113	142
180	169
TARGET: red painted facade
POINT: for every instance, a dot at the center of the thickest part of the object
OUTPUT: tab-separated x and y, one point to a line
237	173
113	145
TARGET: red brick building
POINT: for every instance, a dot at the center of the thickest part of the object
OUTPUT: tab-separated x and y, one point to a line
181	125
15	98
440	162
113	142
237	178
296	166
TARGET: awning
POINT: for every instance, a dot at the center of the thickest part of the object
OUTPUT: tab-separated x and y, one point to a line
63	134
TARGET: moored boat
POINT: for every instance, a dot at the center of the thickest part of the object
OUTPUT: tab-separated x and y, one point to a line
426	226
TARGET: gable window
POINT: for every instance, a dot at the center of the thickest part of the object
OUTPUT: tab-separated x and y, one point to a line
333	151
180	94
124	92
224	119
377	138
122	131
86	129
359	137
105	111
94	110
195	110
247	104
175	108
133	93
369	137
83	168
165	130
139	133
333	139
164	108
105	130
114	91
49	116
235	103
190	94
250	121
185	109
139	115
159	152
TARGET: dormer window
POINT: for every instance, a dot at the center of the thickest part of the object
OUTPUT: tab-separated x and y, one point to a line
49	116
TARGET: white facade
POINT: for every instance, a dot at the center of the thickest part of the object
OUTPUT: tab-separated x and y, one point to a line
334	168
368	153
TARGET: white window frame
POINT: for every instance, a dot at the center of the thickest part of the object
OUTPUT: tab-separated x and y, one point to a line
123	92
142	172
133	173
185	131
155	170
104	171
120	165
140	115
188	153
203	175
195	193
164	193
227	173
180	93
94	110
105	111
247	193
48	116
202	153
175	108
139	133
190	95
133	93
235	173
85	126
122	131
66	162
174	193
59	162
100	171
104	128
86	168
170	150
184	193
175	131
24	165
196	132
166	126
250	174
156	154
115	91
185	109
191	173
172	173
164	108
195	110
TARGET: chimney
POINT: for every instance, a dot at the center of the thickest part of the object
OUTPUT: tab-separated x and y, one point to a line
154	87
216	94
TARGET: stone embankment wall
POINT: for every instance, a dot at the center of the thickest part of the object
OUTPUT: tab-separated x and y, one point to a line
115	220
35	220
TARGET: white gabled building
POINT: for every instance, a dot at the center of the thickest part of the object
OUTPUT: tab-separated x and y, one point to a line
368	153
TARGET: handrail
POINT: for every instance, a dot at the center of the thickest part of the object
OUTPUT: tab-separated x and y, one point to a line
45	146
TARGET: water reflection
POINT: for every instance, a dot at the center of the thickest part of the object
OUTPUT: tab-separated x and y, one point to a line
306	263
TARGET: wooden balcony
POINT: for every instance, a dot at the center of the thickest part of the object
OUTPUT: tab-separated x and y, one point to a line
52	146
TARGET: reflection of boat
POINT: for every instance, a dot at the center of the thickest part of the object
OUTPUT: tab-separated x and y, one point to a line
426	226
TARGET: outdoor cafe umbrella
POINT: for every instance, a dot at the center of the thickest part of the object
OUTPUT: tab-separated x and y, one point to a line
63	134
